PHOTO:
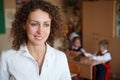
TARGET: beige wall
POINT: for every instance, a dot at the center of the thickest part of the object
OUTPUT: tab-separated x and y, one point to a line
5	41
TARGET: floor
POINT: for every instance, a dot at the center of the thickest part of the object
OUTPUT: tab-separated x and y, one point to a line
114	79
87	79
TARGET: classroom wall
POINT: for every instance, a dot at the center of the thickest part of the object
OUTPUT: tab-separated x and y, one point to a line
5	41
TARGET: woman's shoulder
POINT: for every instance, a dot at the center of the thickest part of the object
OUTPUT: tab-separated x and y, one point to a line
56	52
59	56
5	53
60	53
8	51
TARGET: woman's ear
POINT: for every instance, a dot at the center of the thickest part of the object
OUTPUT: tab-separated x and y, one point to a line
24	27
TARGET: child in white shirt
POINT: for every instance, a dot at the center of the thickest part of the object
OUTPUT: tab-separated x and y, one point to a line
102	55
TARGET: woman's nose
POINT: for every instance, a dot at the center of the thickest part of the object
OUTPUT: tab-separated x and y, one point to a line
39	30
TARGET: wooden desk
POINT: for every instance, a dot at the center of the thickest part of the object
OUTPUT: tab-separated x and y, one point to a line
84	66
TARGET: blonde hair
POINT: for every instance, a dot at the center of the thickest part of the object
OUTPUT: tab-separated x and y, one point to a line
104	43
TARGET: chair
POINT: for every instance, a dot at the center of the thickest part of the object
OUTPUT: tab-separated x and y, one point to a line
73	75
108	71
75	72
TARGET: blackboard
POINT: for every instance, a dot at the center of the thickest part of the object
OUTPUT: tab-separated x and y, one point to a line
2	19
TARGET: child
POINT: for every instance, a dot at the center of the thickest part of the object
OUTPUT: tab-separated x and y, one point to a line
76	49
76	45
102	55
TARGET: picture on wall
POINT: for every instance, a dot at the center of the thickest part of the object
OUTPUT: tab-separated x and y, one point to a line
9	17
2	20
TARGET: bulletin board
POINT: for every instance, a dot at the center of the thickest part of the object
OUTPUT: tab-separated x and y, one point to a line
2	20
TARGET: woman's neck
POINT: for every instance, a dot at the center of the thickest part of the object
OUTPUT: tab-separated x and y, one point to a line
36	50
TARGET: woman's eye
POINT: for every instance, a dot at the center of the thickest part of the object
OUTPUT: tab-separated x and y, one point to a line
46	25
34	24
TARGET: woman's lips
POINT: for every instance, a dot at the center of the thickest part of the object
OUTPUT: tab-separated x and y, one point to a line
38	37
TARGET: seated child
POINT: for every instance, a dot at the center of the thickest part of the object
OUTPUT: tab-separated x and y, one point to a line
76	47
102	55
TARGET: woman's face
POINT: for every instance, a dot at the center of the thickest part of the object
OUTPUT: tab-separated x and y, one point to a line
38	27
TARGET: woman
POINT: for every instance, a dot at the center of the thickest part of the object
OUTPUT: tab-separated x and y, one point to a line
31	58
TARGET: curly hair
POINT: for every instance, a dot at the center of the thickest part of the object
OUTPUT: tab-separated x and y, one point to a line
19	34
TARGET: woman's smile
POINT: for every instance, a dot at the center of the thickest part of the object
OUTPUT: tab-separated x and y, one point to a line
38	37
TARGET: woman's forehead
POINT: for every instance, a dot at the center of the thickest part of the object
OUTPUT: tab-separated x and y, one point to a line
39	15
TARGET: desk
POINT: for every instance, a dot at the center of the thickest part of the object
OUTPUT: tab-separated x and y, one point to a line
84	66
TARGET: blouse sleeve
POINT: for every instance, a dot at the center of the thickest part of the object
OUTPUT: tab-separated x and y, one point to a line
3	68
65	75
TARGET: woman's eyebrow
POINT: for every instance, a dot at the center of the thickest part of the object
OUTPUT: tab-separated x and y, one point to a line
38	21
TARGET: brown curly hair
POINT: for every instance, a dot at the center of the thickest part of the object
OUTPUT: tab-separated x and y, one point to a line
19	34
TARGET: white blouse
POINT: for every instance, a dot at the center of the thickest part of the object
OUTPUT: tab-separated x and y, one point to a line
20	65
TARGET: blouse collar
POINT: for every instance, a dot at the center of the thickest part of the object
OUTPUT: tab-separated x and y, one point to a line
48	55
